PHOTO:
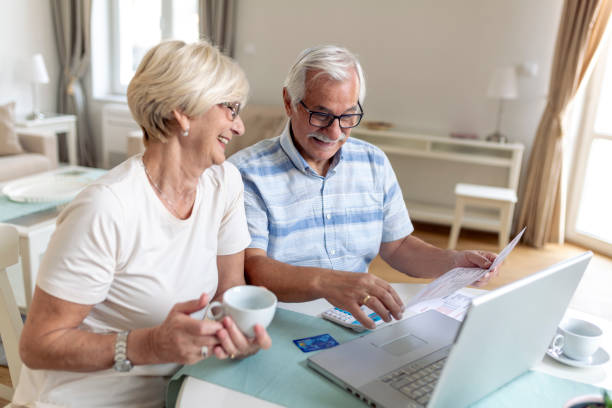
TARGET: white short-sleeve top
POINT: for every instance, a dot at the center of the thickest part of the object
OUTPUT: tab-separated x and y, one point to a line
118	248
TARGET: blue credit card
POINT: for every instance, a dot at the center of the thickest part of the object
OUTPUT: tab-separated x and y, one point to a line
315	343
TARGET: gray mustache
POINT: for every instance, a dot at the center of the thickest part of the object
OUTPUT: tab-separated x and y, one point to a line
325	139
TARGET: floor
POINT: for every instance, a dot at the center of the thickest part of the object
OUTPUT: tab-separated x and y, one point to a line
592	296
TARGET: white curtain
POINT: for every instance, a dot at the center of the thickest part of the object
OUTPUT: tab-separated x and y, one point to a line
542	206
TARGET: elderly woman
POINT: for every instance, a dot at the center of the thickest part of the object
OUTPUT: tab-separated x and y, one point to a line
139	253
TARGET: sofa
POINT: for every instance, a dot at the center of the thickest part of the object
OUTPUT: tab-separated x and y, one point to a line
23	152
260	122
39	154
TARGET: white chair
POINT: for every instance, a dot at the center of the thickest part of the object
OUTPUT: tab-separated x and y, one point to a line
10	318
472	195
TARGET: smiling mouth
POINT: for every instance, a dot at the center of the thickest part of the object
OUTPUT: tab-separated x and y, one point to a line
324	143
223	139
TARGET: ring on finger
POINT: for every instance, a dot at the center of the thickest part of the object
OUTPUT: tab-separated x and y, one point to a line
365	299
232	356
204	351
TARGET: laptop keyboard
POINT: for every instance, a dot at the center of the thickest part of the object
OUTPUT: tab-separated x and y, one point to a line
417	379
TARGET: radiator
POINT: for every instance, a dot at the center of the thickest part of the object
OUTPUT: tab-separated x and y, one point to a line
117	124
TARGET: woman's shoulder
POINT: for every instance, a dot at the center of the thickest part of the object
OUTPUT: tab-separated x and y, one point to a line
123	171
224	178
110	191
96	201
223	172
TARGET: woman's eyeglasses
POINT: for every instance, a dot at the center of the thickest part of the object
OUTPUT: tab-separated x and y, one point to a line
234	108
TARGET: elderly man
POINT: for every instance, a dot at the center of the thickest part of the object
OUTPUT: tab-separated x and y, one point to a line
320	205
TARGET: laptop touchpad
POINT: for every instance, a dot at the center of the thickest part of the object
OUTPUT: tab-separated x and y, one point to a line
402	345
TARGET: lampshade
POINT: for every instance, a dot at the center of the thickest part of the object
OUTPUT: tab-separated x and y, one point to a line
39	71
503	84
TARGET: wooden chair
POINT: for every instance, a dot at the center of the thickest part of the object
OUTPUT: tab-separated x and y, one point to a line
473	195
10	318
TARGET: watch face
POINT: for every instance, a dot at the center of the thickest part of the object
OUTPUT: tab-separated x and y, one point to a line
123	366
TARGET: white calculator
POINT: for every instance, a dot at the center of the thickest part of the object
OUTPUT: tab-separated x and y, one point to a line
346	319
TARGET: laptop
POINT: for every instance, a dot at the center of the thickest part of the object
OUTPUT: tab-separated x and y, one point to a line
433	360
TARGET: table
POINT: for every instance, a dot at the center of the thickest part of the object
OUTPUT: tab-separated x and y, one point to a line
194	391
35	223
445	161
56	123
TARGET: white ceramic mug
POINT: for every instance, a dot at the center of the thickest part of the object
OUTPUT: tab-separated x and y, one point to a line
577	339
247	306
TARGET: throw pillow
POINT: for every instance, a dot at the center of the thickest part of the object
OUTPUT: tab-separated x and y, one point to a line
9	142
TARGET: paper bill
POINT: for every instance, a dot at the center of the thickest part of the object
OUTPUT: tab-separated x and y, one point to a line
458	278
454	305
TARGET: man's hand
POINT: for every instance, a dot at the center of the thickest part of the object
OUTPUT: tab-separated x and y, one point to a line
477	259
348	290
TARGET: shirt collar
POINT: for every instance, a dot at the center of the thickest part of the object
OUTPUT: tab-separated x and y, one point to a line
286	142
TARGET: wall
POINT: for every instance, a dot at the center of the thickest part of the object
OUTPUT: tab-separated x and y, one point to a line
427	62
26	28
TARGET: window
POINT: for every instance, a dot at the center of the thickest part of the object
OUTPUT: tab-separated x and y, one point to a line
137	25
589	222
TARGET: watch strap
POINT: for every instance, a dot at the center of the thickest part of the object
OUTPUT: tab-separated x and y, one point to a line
122	363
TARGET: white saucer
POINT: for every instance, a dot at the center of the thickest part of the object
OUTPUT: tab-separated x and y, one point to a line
600	357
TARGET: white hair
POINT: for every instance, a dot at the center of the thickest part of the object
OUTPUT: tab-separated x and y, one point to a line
188	77
330	60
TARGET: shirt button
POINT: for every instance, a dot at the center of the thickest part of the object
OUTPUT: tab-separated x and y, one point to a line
328	216
333	252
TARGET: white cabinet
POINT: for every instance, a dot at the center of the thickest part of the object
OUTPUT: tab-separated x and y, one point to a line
55	123
428	168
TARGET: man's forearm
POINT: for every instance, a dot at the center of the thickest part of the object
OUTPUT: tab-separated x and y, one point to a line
343	289
417	258
289	283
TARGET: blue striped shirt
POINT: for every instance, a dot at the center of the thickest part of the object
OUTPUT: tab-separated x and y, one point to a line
337	221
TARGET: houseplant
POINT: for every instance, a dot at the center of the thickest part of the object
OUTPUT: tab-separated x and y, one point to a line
590	401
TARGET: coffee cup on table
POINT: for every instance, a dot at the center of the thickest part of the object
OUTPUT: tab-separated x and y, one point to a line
577	339
247	306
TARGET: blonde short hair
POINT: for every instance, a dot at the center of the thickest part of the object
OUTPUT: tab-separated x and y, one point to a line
190	78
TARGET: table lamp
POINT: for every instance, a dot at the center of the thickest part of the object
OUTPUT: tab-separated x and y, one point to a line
502	86
38	75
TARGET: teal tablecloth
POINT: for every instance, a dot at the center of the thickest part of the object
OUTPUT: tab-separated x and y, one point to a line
11	209
535	389
280	374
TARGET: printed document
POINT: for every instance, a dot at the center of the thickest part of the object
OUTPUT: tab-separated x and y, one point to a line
458	278
454	305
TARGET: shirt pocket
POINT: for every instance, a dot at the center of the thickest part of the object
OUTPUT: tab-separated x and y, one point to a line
296	234
363	230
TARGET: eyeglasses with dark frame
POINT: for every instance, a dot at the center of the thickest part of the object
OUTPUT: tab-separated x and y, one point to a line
234	107
323	119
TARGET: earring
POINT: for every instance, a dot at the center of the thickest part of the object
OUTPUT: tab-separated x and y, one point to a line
185	132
